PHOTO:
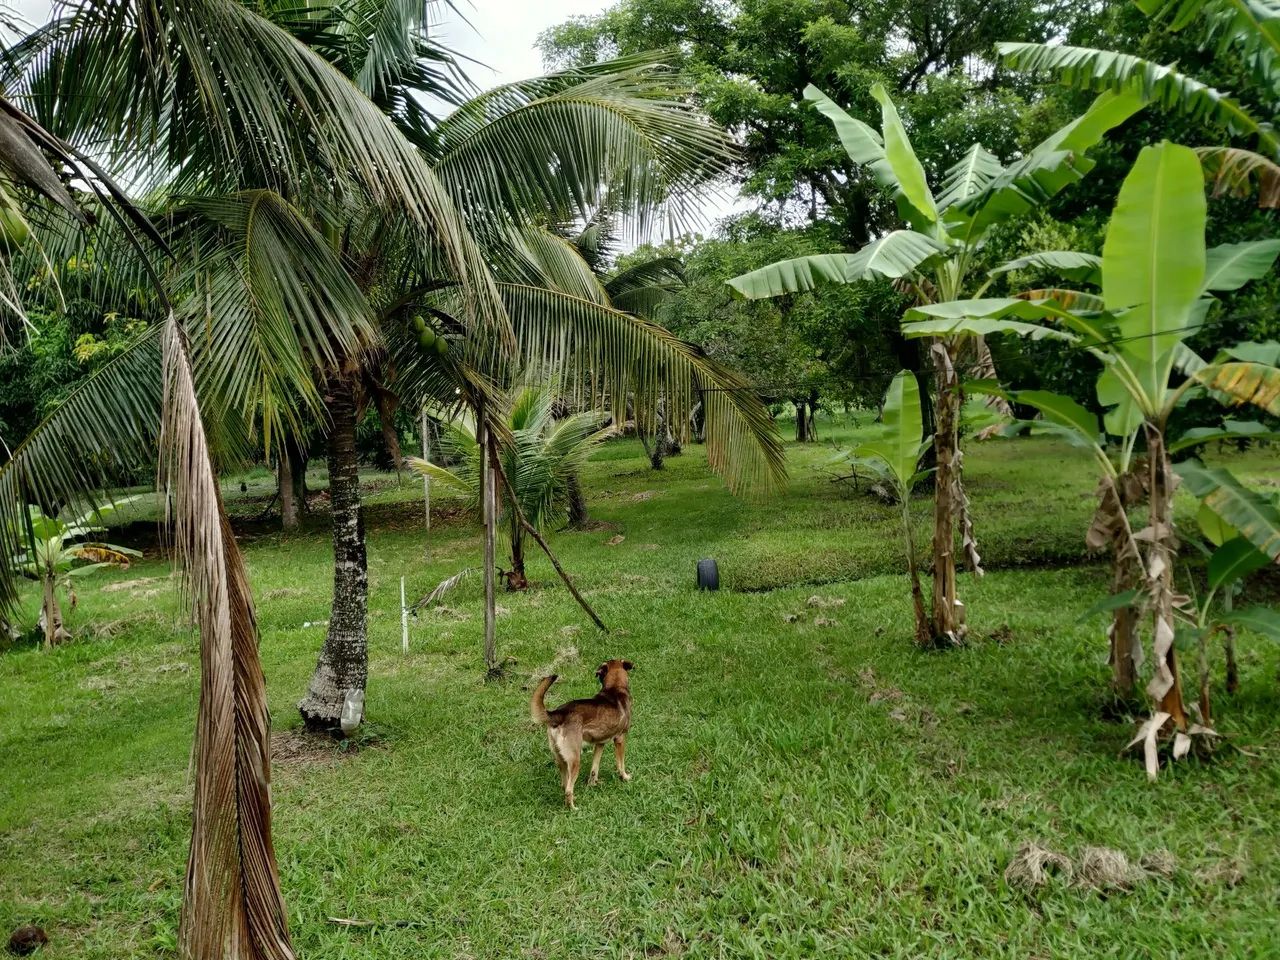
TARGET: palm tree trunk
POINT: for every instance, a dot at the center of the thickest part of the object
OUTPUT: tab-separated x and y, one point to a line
489	502
292	484
578	518
343	666
948	619
284	483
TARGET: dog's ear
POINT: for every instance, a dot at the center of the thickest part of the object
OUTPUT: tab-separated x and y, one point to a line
601	671
627	664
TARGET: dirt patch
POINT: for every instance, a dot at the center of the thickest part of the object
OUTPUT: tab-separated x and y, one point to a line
296	749
135	584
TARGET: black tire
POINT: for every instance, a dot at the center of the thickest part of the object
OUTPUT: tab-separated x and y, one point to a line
708	575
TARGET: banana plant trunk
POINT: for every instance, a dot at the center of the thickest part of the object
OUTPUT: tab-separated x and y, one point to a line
343	667
924	628
948	611
1166	685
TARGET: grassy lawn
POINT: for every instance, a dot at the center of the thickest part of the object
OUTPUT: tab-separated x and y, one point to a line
805	783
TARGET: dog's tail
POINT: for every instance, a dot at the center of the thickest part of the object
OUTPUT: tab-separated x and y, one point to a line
538	709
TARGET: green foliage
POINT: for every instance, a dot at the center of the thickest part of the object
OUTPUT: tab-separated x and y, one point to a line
544	452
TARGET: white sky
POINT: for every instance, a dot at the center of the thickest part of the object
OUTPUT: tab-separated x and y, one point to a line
503	33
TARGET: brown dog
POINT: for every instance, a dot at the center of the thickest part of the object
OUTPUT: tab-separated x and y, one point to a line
606	716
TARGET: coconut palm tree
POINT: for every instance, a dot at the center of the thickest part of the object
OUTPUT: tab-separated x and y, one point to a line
232	899
543	454
317	271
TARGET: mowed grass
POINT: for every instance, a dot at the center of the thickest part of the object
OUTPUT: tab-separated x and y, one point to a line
805	783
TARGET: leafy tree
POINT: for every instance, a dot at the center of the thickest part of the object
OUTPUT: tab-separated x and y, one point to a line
802	348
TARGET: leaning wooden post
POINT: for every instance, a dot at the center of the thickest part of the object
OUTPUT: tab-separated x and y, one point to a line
488	491
426	455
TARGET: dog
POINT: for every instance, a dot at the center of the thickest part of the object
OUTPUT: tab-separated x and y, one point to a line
606	716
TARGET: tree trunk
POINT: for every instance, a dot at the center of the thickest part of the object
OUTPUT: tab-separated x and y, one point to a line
284	483
1124	634
802	425
1229	648
53	632
657	456
1165	686
813	415
924	629
291	476
948	612
578	518
489	500
516	579
343	666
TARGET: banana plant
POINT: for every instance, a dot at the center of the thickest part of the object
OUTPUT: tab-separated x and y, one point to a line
894	456
57	554
1157	284
1231	558
935	257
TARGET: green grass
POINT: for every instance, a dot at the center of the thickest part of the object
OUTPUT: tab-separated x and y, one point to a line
800	789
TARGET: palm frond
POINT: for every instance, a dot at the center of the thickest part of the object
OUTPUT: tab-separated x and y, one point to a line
608	356
233	900
215	98
561	144
106	428
275	306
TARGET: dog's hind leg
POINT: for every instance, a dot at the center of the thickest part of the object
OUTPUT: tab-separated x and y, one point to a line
595	765
620	754
571	777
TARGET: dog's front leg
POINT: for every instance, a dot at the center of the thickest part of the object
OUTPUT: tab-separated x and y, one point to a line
620	754
595	765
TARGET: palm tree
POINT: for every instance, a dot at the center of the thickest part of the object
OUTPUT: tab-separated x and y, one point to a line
540	459
309	275
232	892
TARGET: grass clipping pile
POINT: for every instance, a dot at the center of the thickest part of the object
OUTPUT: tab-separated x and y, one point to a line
1100	868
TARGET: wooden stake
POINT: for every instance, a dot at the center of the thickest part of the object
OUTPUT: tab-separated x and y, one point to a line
404	620
489	493
426	455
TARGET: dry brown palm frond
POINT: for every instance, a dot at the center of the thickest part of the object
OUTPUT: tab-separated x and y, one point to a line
233	908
